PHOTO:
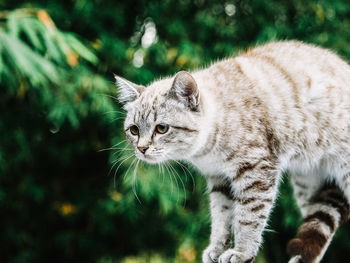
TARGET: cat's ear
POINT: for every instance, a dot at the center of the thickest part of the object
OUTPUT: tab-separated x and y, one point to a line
185	90
127	91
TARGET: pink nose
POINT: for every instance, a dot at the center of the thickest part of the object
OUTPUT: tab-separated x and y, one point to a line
142	149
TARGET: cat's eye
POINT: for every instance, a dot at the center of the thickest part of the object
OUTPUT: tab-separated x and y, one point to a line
162	128
134	130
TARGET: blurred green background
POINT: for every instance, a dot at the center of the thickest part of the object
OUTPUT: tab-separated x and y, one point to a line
61	198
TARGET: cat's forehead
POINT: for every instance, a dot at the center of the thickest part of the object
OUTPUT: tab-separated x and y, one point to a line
150	101
154	96
149	107
156	90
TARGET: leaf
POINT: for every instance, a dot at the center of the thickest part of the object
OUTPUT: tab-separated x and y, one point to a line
13	25
52	51
80	48
25	60
2	64
31	27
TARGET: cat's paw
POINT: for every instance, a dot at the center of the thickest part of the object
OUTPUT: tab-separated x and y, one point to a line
233	256
211	254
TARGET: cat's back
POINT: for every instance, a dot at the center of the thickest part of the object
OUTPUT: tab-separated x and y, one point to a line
297	56
285	76
282	70
294	61
306	78
305	75
297	62
301	90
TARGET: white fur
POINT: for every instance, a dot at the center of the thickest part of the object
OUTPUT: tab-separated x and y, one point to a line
300	92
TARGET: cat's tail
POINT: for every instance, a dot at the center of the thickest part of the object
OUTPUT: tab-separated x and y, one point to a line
327	210
295	259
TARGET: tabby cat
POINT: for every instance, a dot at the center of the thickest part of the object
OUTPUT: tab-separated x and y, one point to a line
243	121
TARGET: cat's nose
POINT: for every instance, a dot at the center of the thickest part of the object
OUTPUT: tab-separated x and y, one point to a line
142	149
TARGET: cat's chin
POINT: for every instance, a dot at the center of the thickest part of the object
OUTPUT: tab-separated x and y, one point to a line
151	160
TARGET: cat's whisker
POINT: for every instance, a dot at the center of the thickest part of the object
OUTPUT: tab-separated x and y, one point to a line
115	111
134	178
270	230
109	96
115	173
118	118
171	169
105	149
113	148
121	158
163	175
184	169
159	173
183	185
177	174
177	184
121	162
121	151
114	163
126	147
171	178
123	141
127	171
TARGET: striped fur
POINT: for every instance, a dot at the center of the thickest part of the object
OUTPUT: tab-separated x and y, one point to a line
323	213
283	106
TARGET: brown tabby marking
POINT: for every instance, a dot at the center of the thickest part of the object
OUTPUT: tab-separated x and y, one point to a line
224	189
332	197
246	167
308	244
309	82
301	185
257	208
155	116
239	68
250	260
286	74
260	186
246	223
185	129
231	155
323	217
248	200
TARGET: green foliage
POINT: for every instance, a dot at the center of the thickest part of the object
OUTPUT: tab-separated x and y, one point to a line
62	197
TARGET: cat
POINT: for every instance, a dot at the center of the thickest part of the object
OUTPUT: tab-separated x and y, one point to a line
243	121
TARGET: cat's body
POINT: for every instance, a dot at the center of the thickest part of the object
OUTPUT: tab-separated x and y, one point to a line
284	106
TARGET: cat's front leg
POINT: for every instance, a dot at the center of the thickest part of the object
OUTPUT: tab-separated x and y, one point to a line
221	210
255	186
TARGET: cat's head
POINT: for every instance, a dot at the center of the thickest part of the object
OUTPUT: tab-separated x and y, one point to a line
162	120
